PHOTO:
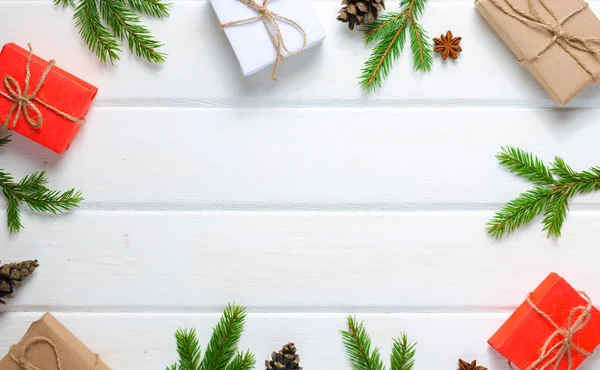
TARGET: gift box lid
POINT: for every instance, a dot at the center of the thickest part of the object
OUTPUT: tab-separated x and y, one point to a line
73	353
522	336
251	42
61	90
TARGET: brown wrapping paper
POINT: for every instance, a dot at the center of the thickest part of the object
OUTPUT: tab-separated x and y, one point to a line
73	353
556	71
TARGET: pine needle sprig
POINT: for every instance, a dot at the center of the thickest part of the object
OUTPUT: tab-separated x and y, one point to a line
403	354
32	191
221	352
358	346
96	36
102	23
126	24
555	185
390	33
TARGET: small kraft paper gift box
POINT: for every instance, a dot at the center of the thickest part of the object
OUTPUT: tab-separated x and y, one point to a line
558	41
264	32
41	101
49	345
556	328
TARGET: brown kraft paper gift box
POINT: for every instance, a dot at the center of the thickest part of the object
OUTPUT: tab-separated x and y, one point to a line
560	50
72	353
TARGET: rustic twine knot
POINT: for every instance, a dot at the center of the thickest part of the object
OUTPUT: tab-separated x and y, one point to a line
269	19
22	360
553	355
23	101
565	40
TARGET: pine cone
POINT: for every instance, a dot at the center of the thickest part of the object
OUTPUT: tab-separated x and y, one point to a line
360	11
12	275
286	359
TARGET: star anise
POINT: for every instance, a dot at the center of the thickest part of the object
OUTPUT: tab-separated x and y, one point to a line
464	365
447	45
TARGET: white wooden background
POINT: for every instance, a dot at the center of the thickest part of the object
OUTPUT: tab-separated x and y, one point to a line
304	200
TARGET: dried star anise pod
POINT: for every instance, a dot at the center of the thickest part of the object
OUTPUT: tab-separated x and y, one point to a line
464	365
447	45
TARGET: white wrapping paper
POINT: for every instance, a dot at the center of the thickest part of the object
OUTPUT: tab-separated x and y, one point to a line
251	42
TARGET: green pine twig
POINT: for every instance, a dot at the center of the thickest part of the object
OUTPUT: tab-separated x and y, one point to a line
32	191
390	33
102	23
358	346
555	184
221	352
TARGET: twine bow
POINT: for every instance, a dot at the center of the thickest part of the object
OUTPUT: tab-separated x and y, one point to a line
24	101
269	19
25	364
565	40
554	355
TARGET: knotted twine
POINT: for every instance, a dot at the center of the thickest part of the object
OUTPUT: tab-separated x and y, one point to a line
267	16
559	36
24	101
26	365
565	346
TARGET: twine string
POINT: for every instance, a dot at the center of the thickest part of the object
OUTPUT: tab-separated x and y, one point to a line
554	354
24	102
269	19
25	364
565	40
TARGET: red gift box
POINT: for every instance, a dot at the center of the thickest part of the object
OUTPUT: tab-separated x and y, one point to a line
536	336
49	107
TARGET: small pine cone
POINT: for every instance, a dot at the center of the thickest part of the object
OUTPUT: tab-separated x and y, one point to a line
360	12
12	275
286	359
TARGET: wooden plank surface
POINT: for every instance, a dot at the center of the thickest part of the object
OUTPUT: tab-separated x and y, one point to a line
360	159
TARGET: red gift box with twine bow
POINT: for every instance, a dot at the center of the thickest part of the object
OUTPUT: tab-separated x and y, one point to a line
41	101
556	328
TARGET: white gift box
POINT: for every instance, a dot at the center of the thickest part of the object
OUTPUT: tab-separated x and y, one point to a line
250	40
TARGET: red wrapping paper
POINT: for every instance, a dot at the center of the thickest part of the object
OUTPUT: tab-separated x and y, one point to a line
61	90
523	335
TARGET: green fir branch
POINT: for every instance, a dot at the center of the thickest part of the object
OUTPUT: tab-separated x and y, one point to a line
525	165
96	36
420	46
390	33
188	349
32	191
358	346
225	338
102	23
242	361
153	8
221	352
126	24
555	185
403	354
65	3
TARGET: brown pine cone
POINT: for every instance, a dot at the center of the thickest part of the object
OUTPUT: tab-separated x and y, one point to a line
360	12
286	359
12	275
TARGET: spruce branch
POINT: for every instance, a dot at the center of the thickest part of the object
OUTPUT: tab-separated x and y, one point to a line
32	191
403	354
358	346
555	185
126	24
221	352
96	36
390	33
225	338
102	23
